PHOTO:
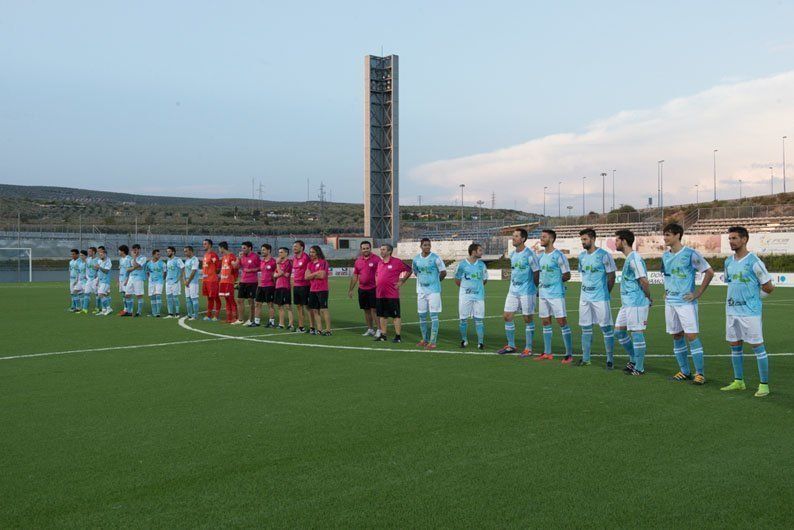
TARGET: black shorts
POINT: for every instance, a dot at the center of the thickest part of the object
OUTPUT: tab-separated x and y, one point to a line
265	295
300	294
366	299
246	290
388	307
282	296
318	300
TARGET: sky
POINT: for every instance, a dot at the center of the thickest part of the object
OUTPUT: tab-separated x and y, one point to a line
199	98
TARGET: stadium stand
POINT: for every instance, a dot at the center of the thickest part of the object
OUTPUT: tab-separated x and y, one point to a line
639	228
753	224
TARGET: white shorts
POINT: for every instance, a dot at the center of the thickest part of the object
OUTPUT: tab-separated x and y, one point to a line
173	289
75	286
134	287
552	307
103	289
524	303
744	328
155	289
632	318
192	290
122	285
91	286
681	318
595	313
471	308
428	302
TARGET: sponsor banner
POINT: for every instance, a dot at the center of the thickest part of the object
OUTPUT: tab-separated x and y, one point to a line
341	271
764	243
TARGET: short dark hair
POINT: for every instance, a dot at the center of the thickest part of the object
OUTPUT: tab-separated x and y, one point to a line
587	232
299	242
388	246
92	248
84	252
742	231
208	240
364	243
248	244
318	251
74	251
224	245
473	248
155	251
285	249
136	246
424	239
101	247
172	249
124	248
626	235
551	232
267	246
188	247
523	233
673	228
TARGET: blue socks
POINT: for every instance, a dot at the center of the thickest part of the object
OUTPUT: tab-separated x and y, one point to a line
433	328
464	328
679	349
529	334
195	307
423	325
736	361
479	325
75	301
587	342
86	301
128	303
169	301
763	363
638	342
547	340
510	332
696	348
625	341
609	342
567	339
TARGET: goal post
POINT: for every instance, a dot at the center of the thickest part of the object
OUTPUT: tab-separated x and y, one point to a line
27	252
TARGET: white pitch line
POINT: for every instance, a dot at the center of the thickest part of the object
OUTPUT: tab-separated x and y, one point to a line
108	348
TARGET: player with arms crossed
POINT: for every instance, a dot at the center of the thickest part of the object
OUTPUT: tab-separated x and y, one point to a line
679	266
392	274
748	281
191	275
635	300
364	270
597	268
75	287
283	296
174	269
554	272
210	268
155	271
524	277
125	264
429	270
104	265
471	276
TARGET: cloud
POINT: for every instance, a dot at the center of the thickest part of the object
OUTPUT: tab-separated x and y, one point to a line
745	121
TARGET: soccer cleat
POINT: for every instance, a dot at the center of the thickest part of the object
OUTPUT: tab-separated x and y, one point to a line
378	333
312	331
481	346
126	315
369	333
544	357
464	343
325	333
206	319
610	365
737	384
214	319
636	372
301	329
247	322
380	338
568	359
526	353
763	390
431	346
629	367
699	380
506	350
123	312
168	316
253	325
582	362
397	339
84	311
680	377
137	315
421	344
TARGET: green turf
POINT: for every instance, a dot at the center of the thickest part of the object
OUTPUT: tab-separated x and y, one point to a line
232	432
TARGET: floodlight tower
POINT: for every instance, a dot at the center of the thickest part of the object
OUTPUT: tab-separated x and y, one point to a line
381	152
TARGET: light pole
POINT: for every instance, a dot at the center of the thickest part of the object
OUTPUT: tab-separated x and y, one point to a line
583	179
740	189
603	193
661	188
772	179
479	218
784	164
461	204
715	174
544	200
697	194
559	209
613	188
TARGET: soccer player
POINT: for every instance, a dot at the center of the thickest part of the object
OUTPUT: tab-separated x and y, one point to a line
210	267
135	278
125	264
174	269
317	274
635	300
679	265
300	285
155	271
598	277
471	276
748	281
429	270
364	270
246	290
554	272
283	297
75	287
104	265
191	276
229	267
524	275
266	290
82	279
92	280
392	274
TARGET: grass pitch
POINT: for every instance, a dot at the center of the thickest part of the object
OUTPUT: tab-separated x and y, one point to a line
143	422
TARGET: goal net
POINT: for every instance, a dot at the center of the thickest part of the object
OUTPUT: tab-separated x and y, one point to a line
16	264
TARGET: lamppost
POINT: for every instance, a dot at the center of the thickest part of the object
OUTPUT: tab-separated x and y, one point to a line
784	164
583	179
479	218
715	174
461	204
613	188
544	200
740	189
772	179
559	210
661	188
603	193
697	194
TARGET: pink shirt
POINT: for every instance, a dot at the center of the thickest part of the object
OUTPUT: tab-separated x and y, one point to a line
282	282
319	284
249	261
299	270
387	276
266	270
365	269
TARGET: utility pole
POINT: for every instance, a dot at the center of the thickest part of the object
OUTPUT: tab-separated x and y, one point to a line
613	188
583	179
661	189
559	209
493	200
479	218
603	193
419	200
461	204
544	200
322	206
772	180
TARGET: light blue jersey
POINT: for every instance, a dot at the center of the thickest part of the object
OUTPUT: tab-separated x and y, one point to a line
107	264
139	274
679	274
155	270
595	267
125	263
192	264
631	293
74	269
552	266
745	278
90	271
427	270
523	266
173	271
81	270
472	278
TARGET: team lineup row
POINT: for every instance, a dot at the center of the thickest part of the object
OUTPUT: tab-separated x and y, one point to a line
301	281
